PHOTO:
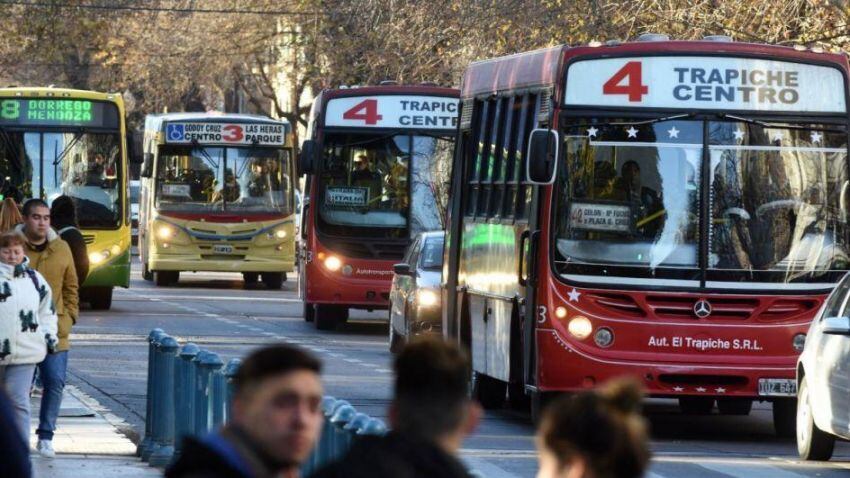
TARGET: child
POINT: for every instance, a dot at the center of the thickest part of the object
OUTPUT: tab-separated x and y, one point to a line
595	434
28	325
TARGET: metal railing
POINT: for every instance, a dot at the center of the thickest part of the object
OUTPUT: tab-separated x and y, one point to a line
189	391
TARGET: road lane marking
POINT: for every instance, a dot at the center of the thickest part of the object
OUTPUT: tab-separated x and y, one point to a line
136	296
351	360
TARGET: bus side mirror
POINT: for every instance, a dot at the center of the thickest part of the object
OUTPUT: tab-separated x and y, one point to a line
147	165
836	326
307	157
542	157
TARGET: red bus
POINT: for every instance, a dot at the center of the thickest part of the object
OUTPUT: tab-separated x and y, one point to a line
676	211
377	162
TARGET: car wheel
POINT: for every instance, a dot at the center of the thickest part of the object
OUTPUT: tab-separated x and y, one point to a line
785	417
734	406
696	405
812	442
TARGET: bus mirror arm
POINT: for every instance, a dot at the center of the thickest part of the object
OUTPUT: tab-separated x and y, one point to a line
523	281
307	157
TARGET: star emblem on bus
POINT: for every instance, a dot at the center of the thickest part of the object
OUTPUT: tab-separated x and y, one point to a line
673	132
816	137
702	308
632	131
739	135
591	132
574	295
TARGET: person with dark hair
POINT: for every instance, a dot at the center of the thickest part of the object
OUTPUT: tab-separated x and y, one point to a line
430	415
276	420
595	434
63	218
52	258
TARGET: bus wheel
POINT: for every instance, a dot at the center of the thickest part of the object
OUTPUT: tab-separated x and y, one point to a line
327	316
100	298
696	405
539	401
489	391
785	417
146	272
734	406
250	278
165	278
273	280
309	312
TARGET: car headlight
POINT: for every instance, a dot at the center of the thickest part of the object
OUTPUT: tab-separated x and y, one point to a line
427	298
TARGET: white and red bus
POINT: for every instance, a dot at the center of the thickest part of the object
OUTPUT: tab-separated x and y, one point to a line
377	162
675	211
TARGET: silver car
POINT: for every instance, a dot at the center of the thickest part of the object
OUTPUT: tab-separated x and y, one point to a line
823	378
415	291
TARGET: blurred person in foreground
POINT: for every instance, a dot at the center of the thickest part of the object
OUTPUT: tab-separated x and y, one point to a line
10	215
430	415
276	420
595	434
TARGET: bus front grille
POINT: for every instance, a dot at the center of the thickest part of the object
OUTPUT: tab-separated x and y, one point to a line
88	238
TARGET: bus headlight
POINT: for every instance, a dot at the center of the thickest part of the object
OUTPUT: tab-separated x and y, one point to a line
332	263
98	257
165	232
280	234
799	342
427	298
580	327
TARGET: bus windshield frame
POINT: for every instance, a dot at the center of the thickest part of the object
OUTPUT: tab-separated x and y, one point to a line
205	178
369	175
709	201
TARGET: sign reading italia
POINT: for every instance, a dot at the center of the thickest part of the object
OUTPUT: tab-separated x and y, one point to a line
260	134
393	111
718	83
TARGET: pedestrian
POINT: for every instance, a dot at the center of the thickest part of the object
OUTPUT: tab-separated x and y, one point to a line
16	452
430	415
276	420
10	215
63	218
52	257
28	326
595	434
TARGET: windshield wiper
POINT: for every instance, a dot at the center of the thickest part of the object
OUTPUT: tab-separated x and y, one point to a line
765	124
209	159
58	158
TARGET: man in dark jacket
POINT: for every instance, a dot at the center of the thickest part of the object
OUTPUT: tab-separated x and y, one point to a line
431	414
276	421
63	218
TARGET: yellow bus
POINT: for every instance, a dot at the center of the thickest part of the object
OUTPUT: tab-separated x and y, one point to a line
57	142
217	195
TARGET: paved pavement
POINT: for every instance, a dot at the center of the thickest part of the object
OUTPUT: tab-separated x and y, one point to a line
109	354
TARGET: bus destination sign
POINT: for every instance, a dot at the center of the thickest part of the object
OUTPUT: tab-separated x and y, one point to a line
712	83
260	134
393	111
57	112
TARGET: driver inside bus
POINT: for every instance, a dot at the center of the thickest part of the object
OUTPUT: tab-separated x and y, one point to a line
645	201
230	191
363	176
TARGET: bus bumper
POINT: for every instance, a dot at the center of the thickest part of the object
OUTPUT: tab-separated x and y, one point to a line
193	263
335	289
565	368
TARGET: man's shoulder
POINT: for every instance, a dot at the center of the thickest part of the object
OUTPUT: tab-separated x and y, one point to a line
203	458
59	245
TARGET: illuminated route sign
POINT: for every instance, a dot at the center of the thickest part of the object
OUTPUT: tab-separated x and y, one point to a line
57	112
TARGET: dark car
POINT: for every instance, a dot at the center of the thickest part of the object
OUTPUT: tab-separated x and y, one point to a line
415	292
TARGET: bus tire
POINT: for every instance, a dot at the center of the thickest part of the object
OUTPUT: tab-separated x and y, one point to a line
326	316
539	402
146	272
785	417
490	392
166	278
696	405
250	278
309	312
100	298
734	406
272	280
812	443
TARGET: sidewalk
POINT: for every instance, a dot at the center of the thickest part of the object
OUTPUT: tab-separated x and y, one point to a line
87	443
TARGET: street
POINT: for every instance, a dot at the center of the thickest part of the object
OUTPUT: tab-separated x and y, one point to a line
109	353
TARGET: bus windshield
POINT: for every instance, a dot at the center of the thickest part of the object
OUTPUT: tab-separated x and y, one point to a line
210	179
630	203
369	181
83	165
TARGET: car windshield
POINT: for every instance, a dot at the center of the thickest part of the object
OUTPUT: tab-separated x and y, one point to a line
629	201
218	179
369	181
431	257
82	165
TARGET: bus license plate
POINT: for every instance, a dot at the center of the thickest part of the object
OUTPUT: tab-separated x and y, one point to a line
222	249
778	387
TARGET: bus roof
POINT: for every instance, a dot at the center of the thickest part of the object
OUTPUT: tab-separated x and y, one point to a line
60	93
157	122
540	68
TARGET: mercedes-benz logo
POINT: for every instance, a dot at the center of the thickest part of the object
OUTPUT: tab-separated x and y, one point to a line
702	308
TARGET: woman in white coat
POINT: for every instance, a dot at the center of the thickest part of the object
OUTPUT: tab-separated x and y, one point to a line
28	325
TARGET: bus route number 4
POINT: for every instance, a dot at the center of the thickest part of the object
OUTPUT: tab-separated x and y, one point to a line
628	80
366	111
